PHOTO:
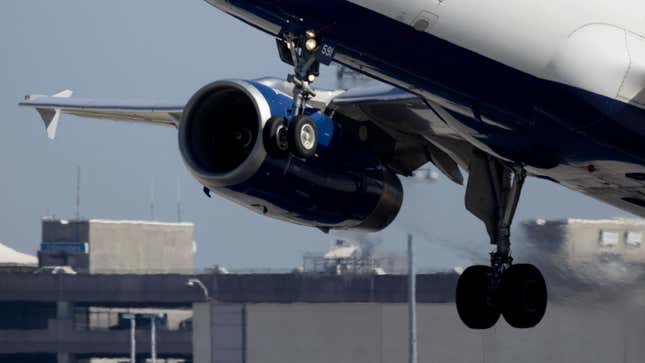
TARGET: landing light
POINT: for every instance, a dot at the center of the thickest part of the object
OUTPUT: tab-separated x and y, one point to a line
311	78
311	44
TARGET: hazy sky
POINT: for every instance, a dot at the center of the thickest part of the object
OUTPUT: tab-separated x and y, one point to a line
167	49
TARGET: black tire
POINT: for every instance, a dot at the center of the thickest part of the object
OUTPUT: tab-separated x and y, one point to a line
303	136
275	137
476	300
523	296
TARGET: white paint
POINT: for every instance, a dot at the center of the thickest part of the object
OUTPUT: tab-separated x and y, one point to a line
594	58
590	44
9	256
632	86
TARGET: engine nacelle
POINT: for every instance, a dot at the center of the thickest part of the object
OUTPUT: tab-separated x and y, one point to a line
342	187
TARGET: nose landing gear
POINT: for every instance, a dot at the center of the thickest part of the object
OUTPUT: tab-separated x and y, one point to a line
517	292
299	133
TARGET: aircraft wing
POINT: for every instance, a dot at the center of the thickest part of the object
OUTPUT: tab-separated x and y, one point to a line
416	125
400	114
423	126
50	109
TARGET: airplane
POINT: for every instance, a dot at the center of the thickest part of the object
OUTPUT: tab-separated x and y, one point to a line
502	90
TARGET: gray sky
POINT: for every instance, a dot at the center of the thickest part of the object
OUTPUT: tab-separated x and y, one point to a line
167	49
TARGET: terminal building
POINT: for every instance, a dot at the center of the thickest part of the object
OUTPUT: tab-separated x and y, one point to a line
105	246
70	304
583	241
607	252
346	308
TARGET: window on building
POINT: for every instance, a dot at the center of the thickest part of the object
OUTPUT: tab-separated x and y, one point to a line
609	238
633	239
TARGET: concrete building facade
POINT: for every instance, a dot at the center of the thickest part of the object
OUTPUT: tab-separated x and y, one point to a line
377	332
71	318
581	241
106	246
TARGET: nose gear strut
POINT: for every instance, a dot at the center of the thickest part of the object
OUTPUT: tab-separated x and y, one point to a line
299	131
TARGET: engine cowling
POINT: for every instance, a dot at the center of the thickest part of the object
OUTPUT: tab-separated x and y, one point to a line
342	187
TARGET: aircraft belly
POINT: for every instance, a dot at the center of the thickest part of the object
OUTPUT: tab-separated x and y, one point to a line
587	141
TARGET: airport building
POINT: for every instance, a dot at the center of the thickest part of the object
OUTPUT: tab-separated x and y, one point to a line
72	303
346	308
582	241
106	246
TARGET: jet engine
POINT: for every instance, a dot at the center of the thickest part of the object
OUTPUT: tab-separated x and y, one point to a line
343	186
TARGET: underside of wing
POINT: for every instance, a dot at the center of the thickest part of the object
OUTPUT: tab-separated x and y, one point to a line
418	133
50	109
424	132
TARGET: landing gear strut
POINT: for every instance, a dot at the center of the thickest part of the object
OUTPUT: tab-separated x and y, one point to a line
515	291
299	133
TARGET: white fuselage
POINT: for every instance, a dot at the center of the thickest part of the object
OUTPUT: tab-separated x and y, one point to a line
595	45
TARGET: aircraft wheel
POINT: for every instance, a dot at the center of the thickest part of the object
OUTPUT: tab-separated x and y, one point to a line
476	299
303	136
523	296
275	137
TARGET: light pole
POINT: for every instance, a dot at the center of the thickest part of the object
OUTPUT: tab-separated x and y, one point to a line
133	342
197	282
153	338
412	303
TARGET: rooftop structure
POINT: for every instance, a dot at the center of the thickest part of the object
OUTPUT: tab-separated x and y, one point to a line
346	257
11	257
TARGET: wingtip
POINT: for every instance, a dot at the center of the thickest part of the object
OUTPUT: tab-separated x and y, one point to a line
51	117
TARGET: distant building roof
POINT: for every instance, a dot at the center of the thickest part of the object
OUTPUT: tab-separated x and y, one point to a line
9	256
618	221
614	221
65	221
341	252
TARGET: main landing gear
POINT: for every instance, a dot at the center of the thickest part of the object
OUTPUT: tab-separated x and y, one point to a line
298	134
516	291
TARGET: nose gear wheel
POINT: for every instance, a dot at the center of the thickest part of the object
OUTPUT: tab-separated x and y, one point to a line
298	50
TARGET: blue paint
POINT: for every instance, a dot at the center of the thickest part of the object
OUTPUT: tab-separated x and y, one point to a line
340	187
67	247
560	132
417	59
280	104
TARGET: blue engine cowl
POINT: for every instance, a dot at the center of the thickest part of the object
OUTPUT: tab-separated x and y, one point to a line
342	187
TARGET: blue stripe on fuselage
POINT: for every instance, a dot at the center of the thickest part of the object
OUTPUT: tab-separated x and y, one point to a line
528	106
